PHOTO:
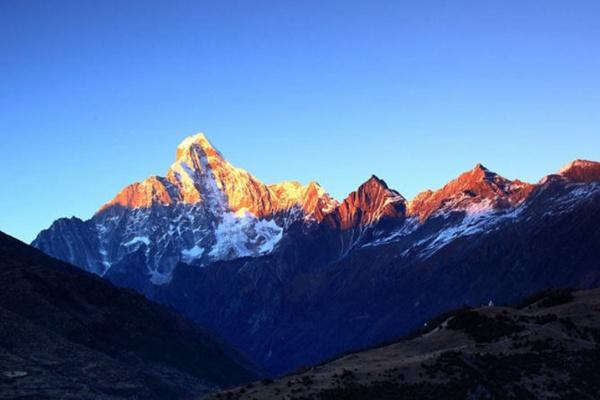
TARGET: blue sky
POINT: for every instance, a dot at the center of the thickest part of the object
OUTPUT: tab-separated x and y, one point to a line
97	94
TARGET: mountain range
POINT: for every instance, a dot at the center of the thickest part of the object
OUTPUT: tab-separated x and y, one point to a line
292	277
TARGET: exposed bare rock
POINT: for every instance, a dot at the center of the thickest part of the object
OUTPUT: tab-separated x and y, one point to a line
478	188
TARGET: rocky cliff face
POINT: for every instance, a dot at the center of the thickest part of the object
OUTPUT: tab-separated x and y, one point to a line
204	210
201	175
581	171
478	189
368	205
292	277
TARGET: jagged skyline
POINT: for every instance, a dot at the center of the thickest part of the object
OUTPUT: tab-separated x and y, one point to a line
212	230
205	209
97	95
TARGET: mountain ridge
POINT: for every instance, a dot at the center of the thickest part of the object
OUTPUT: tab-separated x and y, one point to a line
200	171
368	266
205	209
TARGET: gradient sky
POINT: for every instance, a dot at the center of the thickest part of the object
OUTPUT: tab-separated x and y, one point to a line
97	94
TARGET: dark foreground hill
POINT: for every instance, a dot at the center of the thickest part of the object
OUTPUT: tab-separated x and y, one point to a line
546	348
66	334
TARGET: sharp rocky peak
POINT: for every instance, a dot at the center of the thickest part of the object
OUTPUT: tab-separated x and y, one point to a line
201	175
197	157
371	202
478	187
375	186
479	173
203	209
195	142
374	182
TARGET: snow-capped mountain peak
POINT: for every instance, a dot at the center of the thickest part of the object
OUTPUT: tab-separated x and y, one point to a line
201	174
474	186
192	142
204	209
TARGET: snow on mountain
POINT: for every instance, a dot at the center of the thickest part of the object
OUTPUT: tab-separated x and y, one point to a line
283	263
375	272
479	201
478	185
204	210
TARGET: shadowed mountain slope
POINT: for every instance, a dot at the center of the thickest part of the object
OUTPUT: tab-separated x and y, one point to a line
67	334
318	296
546	348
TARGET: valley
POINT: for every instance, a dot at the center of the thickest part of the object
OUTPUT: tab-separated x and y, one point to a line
547	347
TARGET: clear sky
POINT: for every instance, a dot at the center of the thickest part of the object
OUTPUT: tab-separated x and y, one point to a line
97	94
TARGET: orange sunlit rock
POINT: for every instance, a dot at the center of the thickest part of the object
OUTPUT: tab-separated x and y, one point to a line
582	171
200	174
143	194
372	202
475	185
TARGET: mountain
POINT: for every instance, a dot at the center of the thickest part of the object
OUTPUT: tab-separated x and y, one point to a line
372	202
548	349
329	289
294	277
475	190
67	334
204	210
581	171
